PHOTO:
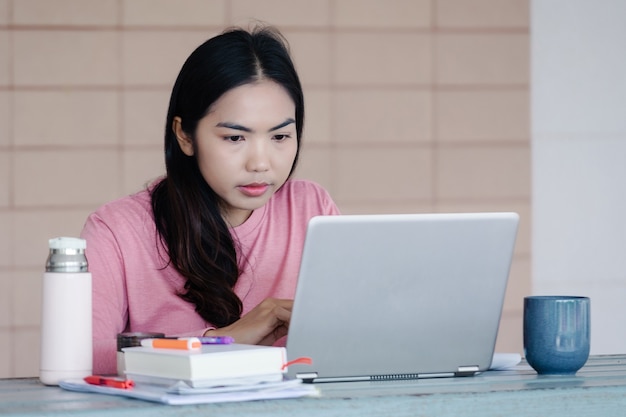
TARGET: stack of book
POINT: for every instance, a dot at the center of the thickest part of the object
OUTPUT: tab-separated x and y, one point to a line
199	373
210	365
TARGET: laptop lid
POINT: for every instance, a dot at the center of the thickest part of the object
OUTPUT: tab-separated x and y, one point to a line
400	296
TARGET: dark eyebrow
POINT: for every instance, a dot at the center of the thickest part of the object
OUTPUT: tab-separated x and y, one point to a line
235	126
283	124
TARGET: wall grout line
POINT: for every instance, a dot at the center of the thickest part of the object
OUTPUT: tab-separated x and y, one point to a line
121	94
433	104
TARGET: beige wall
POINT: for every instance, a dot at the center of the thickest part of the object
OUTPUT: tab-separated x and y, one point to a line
413	106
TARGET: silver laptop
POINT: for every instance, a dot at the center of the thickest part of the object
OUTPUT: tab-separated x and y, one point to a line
400	296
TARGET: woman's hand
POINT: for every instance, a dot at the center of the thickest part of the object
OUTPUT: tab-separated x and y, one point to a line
263	325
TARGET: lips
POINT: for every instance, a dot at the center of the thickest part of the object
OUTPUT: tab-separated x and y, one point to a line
253	190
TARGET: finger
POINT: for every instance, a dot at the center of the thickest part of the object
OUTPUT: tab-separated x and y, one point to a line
280	332
282	315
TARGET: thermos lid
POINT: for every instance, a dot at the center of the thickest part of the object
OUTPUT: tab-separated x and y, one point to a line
67	243
67	254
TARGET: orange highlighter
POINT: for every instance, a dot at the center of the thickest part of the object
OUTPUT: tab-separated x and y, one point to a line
185	343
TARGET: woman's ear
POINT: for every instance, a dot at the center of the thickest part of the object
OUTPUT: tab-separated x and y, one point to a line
185	143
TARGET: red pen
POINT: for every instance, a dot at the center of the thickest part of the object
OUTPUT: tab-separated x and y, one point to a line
110	381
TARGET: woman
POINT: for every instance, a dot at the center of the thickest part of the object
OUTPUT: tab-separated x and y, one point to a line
214	247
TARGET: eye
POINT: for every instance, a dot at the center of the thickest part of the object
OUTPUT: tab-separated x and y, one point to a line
233	138
281	138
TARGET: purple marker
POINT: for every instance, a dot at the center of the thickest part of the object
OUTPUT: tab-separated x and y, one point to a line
216	340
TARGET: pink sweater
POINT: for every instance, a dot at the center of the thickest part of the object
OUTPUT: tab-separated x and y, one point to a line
132	291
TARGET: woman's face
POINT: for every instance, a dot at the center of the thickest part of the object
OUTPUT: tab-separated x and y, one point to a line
245	146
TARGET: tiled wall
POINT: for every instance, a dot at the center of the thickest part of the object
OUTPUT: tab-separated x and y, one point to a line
413	106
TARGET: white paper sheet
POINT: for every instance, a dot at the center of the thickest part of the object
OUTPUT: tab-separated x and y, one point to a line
160	394
504	361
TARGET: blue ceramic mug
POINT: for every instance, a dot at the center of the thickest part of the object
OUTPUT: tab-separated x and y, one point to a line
556	333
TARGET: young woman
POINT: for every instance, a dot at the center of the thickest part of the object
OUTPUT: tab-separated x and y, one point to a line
214	247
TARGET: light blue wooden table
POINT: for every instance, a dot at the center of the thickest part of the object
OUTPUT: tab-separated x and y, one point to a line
599	389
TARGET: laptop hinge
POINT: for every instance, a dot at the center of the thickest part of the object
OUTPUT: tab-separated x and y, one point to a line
466	370
307	377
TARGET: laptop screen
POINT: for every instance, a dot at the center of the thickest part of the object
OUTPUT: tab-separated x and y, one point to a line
400	296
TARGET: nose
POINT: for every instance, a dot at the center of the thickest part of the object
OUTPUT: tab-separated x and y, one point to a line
258	156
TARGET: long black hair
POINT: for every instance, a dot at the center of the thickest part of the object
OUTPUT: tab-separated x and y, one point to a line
186	210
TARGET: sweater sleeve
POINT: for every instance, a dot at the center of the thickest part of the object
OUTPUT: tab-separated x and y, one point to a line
110	302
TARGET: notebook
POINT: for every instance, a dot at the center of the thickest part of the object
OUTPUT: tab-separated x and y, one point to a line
400	296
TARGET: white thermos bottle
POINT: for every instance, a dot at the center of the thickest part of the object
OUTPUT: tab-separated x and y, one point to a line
66	330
